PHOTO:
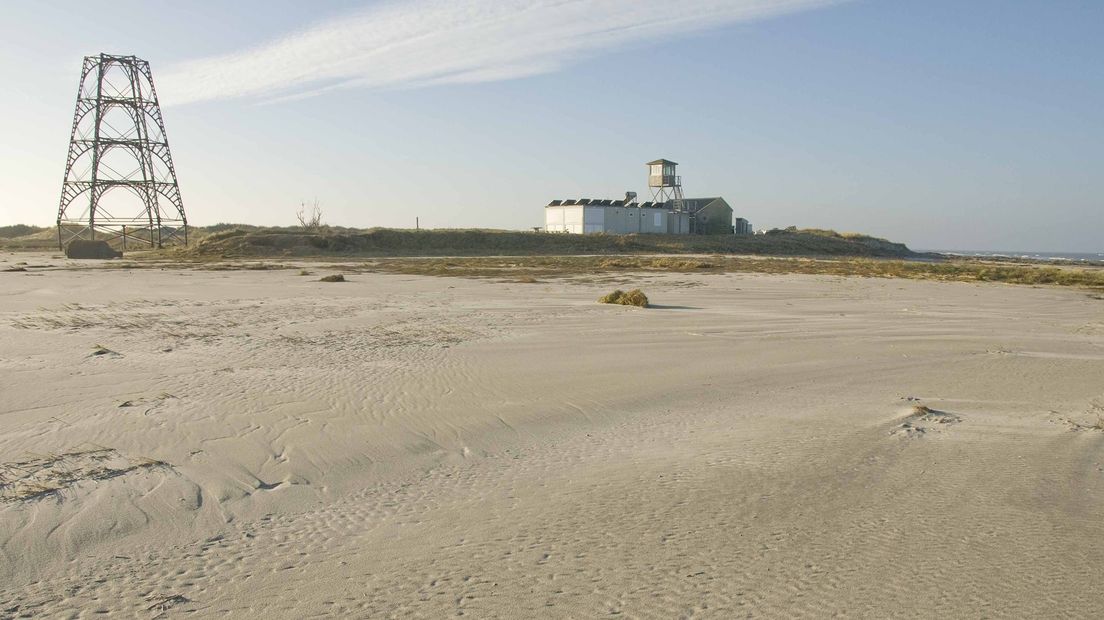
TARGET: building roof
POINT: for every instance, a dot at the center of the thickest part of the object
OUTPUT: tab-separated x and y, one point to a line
661	161
619	202
691	204
697	204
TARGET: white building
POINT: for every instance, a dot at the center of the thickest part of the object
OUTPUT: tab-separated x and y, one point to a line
613	217
669	213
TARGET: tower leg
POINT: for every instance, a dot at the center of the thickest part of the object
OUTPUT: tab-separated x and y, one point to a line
134	132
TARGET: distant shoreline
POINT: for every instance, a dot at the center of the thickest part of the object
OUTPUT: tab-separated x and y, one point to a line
1081	258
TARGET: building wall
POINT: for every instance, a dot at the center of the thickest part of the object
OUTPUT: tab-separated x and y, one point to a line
715	218
594	220
564	219
614	220
678	223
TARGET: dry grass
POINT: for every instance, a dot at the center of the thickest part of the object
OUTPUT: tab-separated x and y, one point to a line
42	475
567	266
578	268
1095	425
381	242
665	263
635	297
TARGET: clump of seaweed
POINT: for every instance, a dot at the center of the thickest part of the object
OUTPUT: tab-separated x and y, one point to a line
635	297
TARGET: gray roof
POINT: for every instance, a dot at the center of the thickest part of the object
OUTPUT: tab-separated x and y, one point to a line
693	204
661	161
602	202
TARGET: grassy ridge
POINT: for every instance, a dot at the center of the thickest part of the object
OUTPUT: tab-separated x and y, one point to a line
294	242
243	241
479	253
20	230
20	237
535	267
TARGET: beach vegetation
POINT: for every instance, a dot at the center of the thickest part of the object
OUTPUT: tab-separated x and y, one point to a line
310	218
635	297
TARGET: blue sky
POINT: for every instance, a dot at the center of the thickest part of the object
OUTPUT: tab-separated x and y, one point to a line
943	124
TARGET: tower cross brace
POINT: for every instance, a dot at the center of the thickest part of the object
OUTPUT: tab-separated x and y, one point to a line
118	146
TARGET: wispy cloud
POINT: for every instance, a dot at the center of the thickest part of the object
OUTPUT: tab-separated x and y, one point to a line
402	44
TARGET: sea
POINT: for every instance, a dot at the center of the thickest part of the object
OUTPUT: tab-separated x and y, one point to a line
1096	258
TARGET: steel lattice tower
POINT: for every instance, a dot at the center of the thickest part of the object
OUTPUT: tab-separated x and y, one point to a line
119	172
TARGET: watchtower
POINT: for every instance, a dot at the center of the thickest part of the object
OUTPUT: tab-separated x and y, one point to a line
119	176
665	183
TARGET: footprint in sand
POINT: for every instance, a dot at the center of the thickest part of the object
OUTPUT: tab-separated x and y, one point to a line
923	420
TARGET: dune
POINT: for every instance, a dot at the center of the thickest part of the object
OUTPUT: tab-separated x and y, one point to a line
253	443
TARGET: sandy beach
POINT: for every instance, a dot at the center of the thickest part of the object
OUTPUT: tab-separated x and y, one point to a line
256	443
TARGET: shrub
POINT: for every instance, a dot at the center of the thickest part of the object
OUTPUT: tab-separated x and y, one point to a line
334	278
309	220
635	297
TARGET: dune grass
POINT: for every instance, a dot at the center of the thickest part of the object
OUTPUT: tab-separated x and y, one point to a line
534	269
635	297
532	258
21	230
43	475
543	267
242	242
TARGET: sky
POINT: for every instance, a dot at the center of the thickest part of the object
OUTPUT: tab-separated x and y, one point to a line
942	124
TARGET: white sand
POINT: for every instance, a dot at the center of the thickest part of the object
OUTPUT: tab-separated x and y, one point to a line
418	446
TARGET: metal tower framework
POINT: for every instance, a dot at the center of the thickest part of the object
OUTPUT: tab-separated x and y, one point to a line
118	144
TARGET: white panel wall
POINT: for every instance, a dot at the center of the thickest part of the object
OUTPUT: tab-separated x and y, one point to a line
554	219
580	219
564	219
